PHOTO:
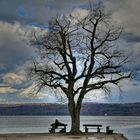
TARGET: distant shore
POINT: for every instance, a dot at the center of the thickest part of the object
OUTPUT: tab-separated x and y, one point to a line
95	109
47	136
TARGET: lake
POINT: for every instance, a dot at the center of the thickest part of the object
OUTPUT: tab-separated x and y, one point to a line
128	125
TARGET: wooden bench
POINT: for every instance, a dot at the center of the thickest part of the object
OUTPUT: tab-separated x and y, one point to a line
58	125
92	126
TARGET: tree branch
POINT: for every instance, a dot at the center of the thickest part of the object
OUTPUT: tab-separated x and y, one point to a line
100	84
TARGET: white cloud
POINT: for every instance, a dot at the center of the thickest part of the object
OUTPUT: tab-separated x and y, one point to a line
32	92
13	79
11	32
80	13
7	89
2	101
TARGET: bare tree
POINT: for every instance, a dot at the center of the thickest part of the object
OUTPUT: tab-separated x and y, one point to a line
79	55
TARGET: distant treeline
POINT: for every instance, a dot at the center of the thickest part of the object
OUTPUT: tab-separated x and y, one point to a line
129	109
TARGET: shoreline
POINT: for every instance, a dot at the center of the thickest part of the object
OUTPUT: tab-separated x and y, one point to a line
65	136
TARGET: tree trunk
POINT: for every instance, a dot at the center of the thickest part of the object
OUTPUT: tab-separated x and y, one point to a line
75	123
75	118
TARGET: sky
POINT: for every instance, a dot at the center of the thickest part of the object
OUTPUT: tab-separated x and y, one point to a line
18	18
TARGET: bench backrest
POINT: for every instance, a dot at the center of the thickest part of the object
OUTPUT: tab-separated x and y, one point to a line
92	125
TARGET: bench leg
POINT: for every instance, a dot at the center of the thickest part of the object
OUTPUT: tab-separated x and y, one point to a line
98	130
86	130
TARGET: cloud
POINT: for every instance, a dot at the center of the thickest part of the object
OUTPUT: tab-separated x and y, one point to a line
2	101
32	92
14	49
126	12
35	10
132	50
79	13
7	89
13	79
2	66
23	16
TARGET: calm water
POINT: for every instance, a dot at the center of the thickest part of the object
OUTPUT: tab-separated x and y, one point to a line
129	126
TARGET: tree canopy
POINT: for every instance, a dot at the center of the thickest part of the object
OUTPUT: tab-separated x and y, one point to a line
78	55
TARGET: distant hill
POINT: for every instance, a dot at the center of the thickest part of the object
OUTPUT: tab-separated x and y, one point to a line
129	109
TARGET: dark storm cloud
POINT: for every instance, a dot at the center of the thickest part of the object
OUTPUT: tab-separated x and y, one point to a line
14	50
35	10
11	56
39	11
126	13
130	37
